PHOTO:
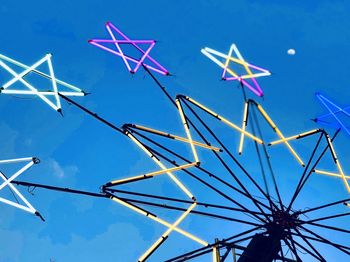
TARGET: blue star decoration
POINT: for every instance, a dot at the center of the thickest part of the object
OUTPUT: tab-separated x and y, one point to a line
335	116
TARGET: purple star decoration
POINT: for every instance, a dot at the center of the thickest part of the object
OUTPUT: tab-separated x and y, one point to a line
118	39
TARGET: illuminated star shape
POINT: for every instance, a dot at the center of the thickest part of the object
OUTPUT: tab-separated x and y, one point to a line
230	75
335	112
119	39
25	206
29	89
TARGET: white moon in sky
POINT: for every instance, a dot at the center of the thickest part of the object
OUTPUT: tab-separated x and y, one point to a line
291	51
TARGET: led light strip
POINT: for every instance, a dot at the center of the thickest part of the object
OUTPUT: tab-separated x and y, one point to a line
294	137
7	182
223	119
159	220
145	54
208	52
150	175
40	73
32	90
279	133
166	234
244	125
179	138
324	101
160	164
185	124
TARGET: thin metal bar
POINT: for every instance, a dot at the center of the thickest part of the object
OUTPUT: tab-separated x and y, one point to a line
326	241
300	183
309	244
102	120
165	206
197	178
62	189
181	201
325	206
233	158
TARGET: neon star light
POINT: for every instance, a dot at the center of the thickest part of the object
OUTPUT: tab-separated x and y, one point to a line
118	39
7	88
230	75
334	112
28	162
164	170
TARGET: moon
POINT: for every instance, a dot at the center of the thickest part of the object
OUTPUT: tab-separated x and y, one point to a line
291	51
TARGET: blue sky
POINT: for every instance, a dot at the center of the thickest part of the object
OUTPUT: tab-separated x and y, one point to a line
79	152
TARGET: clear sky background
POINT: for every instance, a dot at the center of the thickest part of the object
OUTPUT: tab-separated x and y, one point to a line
77	151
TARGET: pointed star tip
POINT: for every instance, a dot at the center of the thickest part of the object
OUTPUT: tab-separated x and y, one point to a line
60	111
36	160
39	215
126	125
90	41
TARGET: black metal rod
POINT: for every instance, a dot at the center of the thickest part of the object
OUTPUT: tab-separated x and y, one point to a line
306	250
210	174
62	189
325	206
321	241
300	183
102	120
181	201
203	182
268	160
223	242
165	206
173	102
316	163
327	217
328	227
234	159
326	241
292	248
309	244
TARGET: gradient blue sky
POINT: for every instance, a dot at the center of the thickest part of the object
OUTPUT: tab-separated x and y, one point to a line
77	151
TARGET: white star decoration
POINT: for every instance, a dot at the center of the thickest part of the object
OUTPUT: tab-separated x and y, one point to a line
8	88
28	162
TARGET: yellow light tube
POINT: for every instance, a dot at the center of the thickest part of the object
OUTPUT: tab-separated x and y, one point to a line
126	204
160	221
216	256
340	169
152	174
279	133
188	133
166	234
223	120
244	124
293	137
343	176
179	138
151	249
161	165
322	172
190	236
